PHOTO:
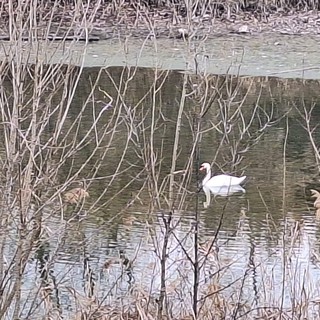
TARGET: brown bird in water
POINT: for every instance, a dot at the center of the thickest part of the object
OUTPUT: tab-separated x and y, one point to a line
75	195
316	204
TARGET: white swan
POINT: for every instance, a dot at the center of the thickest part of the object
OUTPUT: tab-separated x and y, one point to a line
221	180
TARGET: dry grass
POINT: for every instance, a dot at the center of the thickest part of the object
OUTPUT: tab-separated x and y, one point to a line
74	20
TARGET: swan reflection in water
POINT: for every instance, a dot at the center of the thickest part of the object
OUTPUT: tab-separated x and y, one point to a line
222	191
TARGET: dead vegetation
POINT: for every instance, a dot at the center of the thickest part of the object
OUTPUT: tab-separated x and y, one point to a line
100	19
75	196
316	194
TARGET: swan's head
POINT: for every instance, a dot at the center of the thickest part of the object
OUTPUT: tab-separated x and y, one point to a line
205	167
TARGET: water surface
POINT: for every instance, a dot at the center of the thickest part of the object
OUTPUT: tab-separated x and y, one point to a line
283	56
266	247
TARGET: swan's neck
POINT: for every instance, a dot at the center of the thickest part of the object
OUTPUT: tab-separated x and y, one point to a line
207	177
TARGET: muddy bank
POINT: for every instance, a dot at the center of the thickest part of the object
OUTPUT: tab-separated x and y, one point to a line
110	19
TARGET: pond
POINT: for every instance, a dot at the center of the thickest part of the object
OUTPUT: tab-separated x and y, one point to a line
255	55
258	250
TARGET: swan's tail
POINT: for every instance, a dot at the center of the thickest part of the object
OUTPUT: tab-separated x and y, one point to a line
241	179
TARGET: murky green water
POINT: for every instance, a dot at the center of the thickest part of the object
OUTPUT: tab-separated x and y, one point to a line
283	56
266	245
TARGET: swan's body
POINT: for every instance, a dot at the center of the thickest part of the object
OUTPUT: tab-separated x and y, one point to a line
221	180
225	191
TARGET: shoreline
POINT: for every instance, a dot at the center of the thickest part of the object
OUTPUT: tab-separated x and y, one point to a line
278	44
105	21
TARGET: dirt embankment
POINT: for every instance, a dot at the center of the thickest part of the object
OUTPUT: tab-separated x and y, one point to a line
113	18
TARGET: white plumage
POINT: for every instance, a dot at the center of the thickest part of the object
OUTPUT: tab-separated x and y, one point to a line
221	180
